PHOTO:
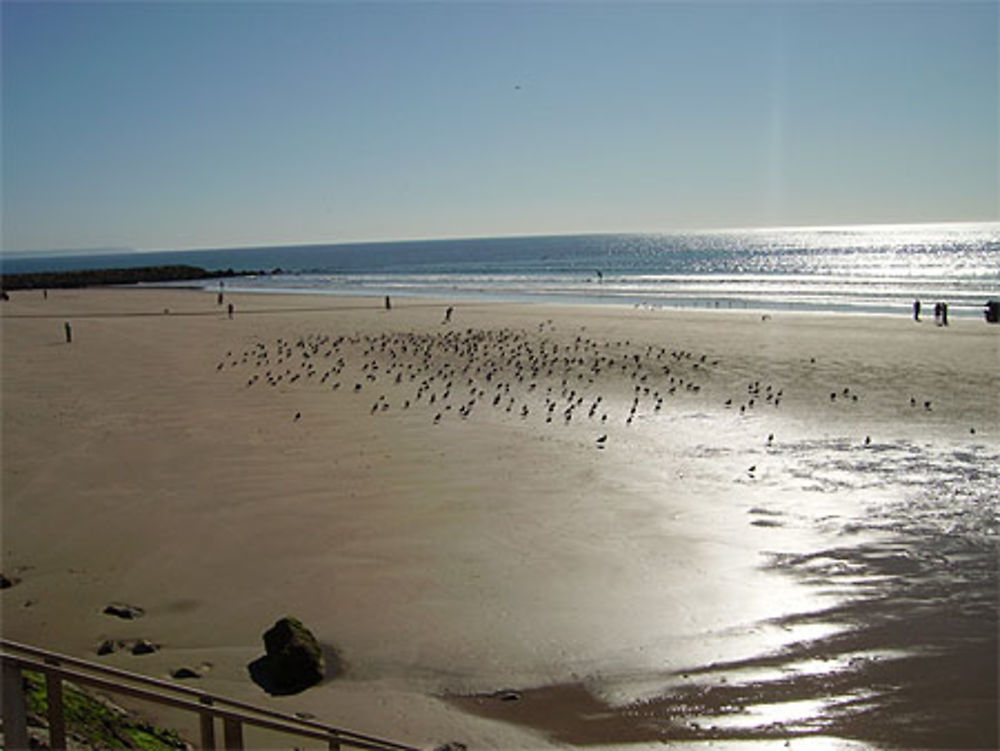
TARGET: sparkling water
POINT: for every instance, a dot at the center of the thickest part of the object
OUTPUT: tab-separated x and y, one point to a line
874	269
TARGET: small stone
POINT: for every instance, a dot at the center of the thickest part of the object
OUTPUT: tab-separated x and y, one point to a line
7	583
106	647
452	746
184	673
127	612
144	647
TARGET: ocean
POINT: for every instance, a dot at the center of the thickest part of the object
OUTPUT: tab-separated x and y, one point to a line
871	269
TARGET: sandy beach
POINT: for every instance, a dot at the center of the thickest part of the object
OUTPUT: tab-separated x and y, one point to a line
530	526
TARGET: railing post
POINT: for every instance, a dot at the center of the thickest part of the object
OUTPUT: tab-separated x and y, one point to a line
334	742
207	721
57	716
232	732
15	726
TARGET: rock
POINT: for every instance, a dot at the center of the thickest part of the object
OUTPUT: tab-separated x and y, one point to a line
106	647
184	673
6	582
144	647
120	610
452	746
294	658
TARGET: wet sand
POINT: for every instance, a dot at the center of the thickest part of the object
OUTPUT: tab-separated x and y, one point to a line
787	531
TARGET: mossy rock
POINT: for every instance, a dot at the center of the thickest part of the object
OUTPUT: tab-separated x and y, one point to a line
294	657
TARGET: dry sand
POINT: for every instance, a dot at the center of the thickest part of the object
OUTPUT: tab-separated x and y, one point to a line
645	588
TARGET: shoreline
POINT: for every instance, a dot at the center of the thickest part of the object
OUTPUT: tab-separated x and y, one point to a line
956	311
374	301
486	551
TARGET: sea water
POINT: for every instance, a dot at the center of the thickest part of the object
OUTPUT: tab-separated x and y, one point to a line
872	269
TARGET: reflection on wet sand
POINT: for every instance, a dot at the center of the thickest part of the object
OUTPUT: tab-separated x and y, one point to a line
905	655
915	666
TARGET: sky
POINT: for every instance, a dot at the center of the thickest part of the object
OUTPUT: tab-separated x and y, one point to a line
227	124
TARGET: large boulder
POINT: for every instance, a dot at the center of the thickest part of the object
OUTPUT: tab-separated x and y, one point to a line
294	659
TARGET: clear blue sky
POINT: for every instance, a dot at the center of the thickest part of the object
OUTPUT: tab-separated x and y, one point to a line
225	124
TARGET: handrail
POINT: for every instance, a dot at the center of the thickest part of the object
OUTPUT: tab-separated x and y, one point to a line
233	713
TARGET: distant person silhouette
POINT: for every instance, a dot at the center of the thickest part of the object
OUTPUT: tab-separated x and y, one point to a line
916	310
388	303
69	333
230	311
447	314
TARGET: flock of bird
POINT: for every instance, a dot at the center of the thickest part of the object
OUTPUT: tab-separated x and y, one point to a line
530	377
458	373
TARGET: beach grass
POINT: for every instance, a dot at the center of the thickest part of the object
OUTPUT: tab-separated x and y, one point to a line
97	723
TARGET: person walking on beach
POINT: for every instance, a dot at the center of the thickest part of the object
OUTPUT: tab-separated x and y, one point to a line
69	333
937	313
230	311
388	303
447	314
944	314
916	310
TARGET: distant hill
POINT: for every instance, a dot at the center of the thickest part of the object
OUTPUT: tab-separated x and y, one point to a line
98	277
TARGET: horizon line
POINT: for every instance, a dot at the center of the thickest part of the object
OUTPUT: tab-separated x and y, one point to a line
126	250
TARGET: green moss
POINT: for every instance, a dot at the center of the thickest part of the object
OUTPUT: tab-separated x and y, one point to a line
97	724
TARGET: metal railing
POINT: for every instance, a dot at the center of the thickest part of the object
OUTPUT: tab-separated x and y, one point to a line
234	715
